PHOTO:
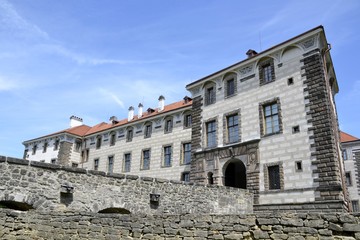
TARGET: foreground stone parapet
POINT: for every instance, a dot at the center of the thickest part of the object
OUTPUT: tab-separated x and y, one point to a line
80	225
50	187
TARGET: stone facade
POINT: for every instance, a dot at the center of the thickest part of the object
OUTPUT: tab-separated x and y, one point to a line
49	187
76	225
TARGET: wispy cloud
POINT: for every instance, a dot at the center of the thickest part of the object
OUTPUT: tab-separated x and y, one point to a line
112	96
11	20
6	85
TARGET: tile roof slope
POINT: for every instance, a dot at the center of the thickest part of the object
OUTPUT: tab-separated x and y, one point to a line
168	108
345	137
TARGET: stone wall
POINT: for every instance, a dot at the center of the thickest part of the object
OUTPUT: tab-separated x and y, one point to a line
53	187
75	225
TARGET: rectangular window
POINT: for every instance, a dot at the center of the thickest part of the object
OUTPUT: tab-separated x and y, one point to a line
167	156
186	153
271	115
112	138
230	87
168	125
77	146
34	149
127	162
211	134
233	128
348	178
53	160
56	144
110	164
145	160
210	96
148	130
74	165
267	73
185	176
129	135
45	147
96	164
344	153
274	177
98	142
355	205
187	120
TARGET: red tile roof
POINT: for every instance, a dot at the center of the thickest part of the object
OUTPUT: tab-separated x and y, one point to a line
345	137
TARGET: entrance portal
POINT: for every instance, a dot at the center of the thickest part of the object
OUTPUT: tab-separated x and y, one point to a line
235	175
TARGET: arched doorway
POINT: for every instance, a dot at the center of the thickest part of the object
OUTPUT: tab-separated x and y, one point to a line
235	174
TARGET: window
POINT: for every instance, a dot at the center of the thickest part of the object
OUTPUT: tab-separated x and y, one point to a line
96	164
186	153
110	164
127	162
77	145
168	125
348	178
53	161
112	138
344	153
74	165
211	134
129	135
210	178
34	149
296	129
355	205
98	142
266	72
230	87
187	120
274	177
85	155
56	144
232	123
167	156
148	130
210	96
271	119
145	165
45	147
185	176
298	166
290	81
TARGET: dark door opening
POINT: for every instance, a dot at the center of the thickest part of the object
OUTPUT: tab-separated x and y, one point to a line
235	175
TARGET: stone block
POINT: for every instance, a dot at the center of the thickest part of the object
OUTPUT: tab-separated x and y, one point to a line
351	227
17	161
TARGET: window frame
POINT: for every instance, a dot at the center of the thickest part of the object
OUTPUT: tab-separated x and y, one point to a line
212	134
185	152
56	144
148	130
98	142
263	117
269	183
185	176
210	94
348	178
235	125
127	162
187	120
34	149
168	124
129	134
143	159
167	156
266	71
344	154
96	164
110	164
112	138
45	146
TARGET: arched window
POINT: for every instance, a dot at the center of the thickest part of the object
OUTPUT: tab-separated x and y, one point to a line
98	141
210	178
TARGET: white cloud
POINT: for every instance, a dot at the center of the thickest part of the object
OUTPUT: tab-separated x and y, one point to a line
10	19
6	85
112	95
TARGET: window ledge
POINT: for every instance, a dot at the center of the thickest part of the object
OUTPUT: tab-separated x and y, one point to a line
265	83
271	134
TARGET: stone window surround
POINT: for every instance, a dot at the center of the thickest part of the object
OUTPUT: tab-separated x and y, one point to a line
266	176
112	138
98	141
129	134
147	134
108	163
207	86
96	164
167	128
183	174
163	155
261	65
225	132
45	146
182	153
142	159
34	148
262	116
230	76
205	132
124	162
186	124
56	144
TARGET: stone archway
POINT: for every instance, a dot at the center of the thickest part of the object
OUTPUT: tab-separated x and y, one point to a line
235	174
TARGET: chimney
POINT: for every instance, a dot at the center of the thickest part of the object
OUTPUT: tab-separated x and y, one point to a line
75	121
113	120
161	103
131	113
140	111
251	53
187	99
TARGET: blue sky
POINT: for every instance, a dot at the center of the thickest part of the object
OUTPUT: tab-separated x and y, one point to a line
94	59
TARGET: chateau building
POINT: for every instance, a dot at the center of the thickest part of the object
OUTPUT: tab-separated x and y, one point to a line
351	155
267	124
